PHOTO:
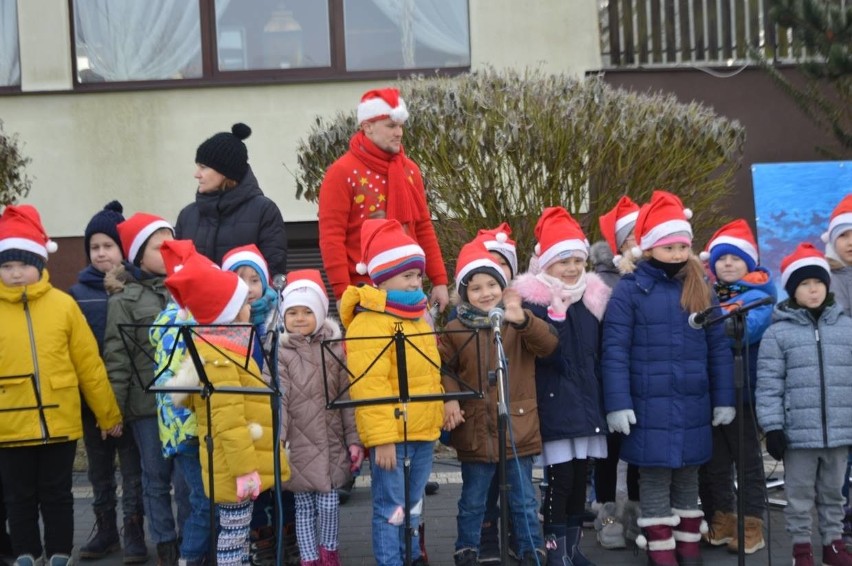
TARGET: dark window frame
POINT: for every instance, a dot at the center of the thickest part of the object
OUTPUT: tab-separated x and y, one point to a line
212	77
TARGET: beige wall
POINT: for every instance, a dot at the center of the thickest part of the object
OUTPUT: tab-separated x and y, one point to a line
139	147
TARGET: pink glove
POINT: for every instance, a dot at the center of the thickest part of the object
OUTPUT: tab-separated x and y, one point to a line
248	486
559	302
356	456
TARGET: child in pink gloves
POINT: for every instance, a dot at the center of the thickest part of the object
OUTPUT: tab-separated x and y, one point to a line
240	424
323	444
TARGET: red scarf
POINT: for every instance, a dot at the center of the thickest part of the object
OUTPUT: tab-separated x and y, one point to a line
405	204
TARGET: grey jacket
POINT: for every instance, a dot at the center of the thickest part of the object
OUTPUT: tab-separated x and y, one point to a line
804	377
841	286
318	438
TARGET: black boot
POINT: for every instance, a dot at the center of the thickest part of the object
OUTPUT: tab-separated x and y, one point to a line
291	545
262	549
563	545
104	539
167	553
135	549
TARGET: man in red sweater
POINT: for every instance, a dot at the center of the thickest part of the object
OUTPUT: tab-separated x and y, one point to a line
375	179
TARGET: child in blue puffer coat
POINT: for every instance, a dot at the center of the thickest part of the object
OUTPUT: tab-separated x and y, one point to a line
804	402
665	383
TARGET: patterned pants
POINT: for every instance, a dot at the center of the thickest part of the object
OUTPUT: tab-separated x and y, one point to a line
309	507
232	546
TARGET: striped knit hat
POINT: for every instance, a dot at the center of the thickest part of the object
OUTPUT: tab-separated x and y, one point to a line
387	251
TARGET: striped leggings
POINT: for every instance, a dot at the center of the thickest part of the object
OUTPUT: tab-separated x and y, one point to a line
310	506
232	546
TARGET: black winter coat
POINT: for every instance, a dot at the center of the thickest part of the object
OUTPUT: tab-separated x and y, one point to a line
221	221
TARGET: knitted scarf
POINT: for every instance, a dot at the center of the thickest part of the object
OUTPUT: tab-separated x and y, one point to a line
404	202
573	292
406	304
472	317
232	337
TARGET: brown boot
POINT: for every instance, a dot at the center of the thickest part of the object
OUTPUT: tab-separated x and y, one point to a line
723	529
753	536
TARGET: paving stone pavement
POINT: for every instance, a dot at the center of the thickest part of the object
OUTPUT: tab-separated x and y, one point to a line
440	513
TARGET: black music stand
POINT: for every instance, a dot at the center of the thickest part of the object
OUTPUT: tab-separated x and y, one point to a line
402	347
39	407
188	333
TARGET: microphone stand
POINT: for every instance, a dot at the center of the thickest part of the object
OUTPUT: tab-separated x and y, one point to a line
736	328
271	358
502	371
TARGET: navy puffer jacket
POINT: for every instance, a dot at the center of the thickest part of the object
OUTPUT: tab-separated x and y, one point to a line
221	221
671	375
90	294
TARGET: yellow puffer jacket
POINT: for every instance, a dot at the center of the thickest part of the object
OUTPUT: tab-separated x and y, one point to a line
241	424
45	340
377	424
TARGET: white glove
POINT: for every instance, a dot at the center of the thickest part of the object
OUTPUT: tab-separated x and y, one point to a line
620	421
723	415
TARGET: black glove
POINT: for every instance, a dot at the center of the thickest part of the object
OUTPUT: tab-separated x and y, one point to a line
776	444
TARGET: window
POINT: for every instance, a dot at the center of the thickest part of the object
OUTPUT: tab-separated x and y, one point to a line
10	63
238	41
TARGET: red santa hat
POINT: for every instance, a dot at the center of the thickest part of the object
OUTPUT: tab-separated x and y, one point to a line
498	240
212	296
559	236
305	288
176	252
474	258
21	229
247	256
387	251
735	238
805	262
135	231
662	221
617	224
841	220
382	103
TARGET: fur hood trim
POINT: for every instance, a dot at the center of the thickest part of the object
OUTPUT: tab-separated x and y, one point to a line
115	279
330	330
535	291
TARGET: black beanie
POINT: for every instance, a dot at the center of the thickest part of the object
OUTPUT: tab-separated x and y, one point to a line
807	272
28	258
226	153
105	222
462	288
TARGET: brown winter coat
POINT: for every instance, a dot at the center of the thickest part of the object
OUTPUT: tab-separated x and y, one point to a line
475	440
318	438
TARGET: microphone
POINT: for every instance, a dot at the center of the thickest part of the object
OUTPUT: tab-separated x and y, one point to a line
279	280
496	315
699	320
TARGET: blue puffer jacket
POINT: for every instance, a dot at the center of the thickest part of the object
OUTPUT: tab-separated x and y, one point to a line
804	384
92	298
671	375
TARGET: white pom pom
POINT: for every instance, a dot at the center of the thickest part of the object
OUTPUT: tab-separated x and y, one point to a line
824	237
641	541
688	213
501	237
616	260
704	528
400	113
255	430
51	246
636	251
361	268
537	249
704	256
178	267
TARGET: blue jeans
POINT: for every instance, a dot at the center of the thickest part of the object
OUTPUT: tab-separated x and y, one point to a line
389	495
476	481
157	475
195	543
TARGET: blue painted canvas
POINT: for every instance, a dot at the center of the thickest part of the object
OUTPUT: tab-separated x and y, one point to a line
793	202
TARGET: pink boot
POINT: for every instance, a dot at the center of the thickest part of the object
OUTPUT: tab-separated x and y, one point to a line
687	536
836	554
657	538
329	557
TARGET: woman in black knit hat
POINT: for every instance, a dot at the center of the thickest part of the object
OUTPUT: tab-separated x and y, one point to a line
230	210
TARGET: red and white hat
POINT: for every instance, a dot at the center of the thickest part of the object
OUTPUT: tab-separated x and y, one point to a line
212	296
617	224
804	263
474	256
136	230
559	236
21	229
247	255
305	288
662	221
177	252
387	251
382	103
498	240
736	238
841	220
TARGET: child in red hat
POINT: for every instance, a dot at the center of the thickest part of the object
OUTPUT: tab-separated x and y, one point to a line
666	384
48	357
324	452
395	265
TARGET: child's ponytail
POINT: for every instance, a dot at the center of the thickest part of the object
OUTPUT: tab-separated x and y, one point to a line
695	296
